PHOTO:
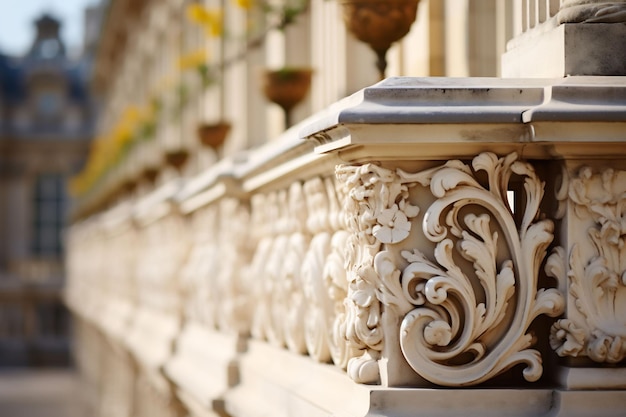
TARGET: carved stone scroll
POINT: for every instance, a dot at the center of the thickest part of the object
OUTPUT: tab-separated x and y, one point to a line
324	275
263	234
196	274
467	298
319	314
233	282
457	334
279	294
291	271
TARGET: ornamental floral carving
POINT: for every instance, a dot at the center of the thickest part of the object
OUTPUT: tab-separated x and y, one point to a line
466	299
595	326
377	212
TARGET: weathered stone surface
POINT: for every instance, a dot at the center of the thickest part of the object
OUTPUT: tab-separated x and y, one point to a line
567	50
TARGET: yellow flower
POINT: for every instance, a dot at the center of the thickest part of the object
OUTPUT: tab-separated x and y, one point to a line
244	4
131	115
192	60
122	135
196	13
210	20
215	29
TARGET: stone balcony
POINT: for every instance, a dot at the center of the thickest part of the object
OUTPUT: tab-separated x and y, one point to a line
437	246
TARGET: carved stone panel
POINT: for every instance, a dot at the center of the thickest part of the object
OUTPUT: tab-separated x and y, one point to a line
595	268
459	295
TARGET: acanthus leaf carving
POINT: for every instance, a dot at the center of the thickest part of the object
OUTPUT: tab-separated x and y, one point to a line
460	325
451	337
324	276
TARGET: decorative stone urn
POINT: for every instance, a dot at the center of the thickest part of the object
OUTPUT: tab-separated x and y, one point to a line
379	23
150	174
287	87
176	158
213	135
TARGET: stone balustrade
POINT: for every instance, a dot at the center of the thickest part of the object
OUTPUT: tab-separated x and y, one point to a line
421	234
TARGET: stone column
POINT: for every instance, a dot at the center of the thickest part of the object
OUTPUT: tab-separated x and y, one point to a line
585	37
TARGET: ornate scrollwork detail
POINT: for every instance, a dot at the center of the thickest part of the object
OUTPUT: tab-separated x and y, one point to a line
263	233
319	311
281	251
291	276
456	334
319	306
377	212
195	276
232	298
597	273
324	276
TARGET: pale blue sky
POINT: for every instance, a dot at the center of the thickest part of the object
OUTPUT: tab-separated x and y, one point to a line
16	22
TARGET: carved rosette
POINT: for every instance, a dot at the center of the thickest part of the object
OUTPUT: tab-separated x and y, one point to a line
466	307
595	326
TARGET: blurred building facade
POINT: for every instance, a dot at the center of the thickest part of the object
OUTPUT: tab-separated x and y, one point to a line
448	241
46	120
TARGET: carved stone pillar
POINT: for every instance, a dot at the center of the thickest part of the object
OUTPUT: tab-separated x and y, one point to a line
203	364
585	37
591	337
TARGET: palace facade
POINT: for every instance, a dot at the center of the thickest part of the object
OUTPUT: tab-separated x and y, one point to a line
46	123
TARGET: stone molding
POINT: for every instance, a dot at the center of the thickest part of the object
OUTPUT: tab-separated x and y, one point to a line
411	247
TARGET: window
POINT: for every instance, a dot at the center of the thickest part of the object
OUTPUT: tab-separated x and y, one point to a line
50	48
49	206
48	104
52	320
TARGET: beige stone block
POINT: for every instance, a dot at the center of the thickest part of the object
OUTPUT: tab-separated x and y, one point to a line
569	49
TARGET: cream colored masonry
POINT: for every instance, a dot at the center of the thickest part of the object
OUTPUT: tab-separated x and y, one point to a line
419	238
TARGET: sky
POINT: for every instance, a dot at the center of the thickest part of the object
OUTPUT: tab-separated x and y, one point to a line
17	17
